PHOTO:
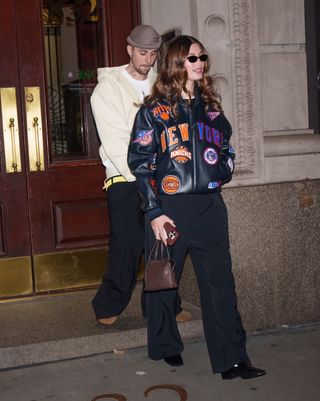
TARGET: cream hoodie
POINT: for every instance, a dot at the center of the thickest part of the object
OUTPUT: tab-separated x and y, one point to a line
115	103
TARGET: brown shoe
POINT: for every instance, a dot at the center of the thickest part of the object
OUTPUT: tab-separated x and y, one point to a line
183	316
108	320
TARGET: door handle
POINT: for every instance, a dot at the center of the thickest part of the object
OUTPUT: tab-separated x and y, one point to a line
10	129
34	127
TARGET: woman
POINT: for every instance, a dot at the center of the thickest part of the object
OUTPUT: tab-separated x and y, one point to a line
181	156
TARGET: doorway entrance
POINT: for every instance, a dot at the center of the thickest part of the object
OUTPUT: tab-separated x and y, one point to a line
53	212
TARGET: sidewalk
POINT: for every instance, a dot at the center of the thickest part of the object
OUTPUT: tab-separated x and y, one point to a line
63	326
290	355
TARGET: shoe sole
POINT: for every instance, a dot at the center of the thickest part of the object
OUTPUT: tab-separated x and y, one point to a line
243	377
108	321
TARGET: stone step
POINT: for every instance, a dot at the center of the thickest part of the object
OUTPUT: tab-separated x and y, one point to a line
55	327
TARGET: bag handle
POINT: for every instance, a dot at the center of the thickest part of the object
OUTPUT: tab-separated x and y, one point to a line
158	250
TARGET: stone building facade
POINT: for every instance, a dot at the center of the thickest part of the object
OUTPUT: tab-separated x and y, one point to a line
258	49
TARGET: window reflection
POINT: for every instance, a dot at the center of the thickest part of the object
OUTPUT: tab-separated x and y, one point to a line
73	51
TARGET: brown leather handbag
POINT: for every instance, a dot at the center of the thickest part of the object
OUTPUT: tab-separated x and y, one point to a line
159	272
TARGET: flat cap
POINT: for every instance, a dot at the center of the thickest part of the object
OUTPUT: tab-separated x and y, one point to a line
144	37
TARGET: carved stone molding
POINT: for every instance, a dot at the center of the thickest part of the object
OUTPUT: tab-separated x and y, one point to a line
227	28
245	100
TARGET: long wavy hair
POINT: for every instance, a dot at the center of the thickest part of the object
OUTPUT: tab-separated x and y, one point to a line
173	77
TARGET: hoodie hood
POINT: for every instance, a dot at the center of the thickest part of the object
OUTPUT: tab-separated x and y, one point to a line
108	71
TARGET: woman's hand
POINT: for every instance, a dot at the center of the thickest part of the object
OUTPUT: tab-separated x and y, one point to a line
158	229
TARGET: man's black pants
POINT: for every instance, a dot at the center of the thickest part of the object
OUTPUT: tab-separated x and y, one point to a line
203	225
125	248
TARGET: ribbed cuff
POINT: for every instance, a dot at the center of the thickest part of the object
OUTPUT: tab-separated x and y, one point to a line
154	213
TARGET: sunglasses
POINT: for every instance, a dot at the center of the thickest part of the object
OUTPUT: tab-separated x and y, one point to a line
194	59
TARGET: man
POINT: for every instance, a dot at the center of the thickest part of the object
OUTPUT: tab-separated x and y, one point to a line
115	102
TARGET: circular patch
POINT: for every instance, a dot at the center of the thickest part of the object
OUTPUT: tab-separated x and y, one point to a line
170	184
180	154
164	116
144	138
210	156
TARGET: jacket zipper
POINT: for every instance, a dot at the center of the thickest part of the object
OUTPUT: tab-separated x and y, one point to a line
191	112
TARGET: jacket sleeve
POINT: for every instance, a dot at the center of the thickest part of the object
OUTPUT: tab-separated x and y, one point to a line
144	144
227	152
112	126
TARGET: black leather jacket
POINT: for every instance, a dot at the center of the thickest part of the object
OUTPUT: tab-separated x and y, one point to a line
172	156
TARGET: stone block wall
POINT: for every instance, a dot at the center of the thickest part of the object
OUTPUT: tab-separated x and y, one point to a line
274	237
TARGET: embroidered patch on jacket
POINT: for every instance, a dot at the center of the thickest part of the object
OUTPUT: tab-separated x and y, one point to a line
153	162
170	184
210	156
213	114
162	112
164	116
180	154
231	150
231	164
214	184
153	184
144	137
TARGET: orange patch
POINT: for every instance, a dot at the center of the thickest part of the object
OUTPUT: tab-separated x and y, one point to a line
170	184
157	111
164	116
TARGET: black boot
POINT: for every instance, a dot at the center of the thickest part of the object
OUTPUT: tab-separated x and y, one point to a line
174	360
243	370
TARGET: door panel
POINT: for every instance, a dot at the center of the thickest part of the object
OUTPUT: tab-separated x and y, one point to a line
53	212
15	243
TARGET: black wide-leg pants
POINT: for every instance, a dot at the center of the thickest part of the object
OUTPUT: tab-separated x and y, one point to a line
203	224
125	248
